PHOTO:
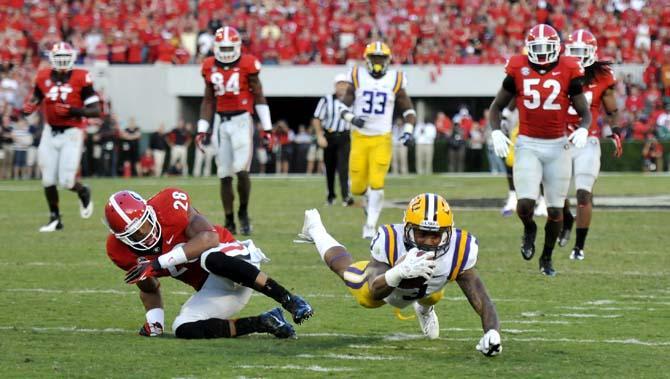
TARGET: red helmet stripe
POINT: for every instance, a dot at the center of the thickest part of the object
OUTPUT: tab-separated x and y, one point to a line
118	210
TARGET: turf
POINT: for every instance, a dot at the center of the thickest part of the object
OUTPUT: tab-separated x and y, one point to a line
66	311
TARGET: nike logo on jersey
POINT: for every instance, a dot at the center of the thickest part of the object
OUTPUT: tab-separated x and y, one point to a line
169	240
556	73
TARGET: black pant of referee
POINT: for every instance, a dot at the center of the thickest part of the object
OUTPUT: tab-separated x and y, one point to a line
336	158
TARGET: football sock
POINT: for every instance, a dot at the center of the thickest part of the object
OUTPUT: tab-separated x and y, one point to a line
210	328
547	251
375	205
568	219
581	237
322	239
230	219
243	190
248	325
227	196
51	194
275	291
551	231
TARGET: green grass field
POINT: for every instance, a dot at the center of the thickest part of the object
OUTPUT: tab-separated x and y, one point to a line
66	311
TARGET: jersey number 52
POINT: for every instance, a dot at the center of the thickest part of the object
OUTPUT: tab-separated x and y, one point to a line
529	90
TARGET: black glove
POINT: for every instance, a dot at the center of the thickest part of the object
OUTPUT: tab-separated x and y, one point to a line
407	139
358	122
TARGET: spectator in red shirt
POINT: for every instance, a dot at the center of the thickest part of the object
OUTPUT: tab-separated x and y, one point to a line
166	49
634	102
119	48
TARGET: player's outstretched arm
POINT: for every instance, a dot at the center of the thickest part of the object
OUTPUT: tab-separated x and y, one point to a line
377	279
474	289
150	295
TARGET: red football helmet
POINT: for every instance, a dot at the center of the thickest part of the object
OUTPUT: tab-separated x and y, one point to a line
62	56
582	44
132	220
227	45
543	44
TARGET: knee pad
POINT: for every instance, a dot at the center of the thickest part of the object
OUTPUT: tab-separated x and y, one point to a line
554	214
584	197
241	174
525	207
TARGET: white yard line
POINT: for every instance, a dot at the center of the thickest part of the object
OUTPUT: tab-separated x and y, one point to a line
352	357
313	368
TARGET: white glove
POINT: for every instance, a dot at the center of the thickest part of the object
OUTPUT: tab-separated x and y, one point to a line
490	344
413	266
500	143
579	137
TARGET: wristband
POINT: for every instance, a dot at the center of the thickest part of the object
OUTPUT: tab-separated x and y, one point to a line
392	277
408	128
175	257
203	126
408	113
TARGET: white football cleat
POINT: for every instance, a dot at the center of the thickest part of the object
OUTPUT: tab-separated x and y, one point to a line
430	325
312	218
577	254
510	205
541	207
52	226
86	211
369	231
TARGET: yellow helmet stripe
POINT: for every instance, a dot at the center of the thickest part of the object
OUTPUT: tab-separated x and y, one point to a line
390	245
461	241
398	82
354	76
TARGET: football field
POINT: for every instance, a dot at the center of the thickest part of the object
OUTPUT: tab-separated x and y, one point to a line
65	311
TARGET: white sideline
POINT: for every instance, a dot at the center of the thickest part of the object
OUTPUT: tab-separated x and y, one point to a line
389	337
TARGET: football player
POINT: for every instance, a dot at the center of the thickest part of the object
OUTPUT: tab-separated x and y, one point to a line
598	89
166	236
68	97
233	88
543	83
411	263
375	92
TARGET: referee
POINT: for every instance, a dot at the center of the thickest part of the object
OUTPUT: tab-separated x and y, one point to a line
332	134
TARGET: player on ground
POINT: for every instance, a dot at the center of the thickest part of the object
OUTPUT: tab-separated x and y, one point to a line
411	263
543	83
68	97
598	89
232	87
374	93
166	236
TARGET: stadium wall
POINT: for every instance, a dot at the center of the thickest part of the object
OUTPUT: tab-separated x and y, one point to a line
157	93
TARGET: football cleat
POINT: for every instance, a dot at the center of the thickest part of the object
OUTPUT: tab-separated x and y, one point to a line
369	231
430	325
510	205
245	224
541	208
577	254
348	202
230	225
546	267
312	218
528	243
274	323
564	237
299	308
53	225
85	203
330	201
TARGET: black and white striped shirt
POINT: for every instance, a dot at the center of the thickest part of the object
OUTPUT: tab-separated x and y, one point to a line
328	111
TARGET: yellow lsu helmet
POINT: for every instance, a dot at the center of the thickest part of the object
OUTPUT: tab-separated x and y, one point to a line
429	212
377	58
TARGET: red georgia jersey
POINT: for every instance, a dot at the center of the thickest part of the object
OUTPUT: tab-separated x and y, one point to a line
231	84
542	99
594	93
77	92
171	207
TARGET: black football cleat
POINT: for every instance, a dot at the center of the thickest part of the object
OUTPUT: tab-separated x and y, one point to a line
546	267
230	225
245	225
564	237
274	323
528	243
299	308
348	202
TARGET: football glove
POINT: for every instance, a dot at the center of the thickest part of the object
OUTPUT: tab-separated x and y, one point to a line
200	141
500	143
618	146
29	107
414	265
267	139
63	109
143	270
579	137
407	139
151	330
490	345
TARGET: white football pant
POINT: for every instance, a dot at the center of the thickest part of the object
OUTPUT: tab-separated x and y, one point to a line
59	155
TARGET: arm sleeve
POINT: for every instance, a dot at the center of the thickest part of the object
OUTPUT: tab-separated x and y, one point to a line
576	86
320	111
508	84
